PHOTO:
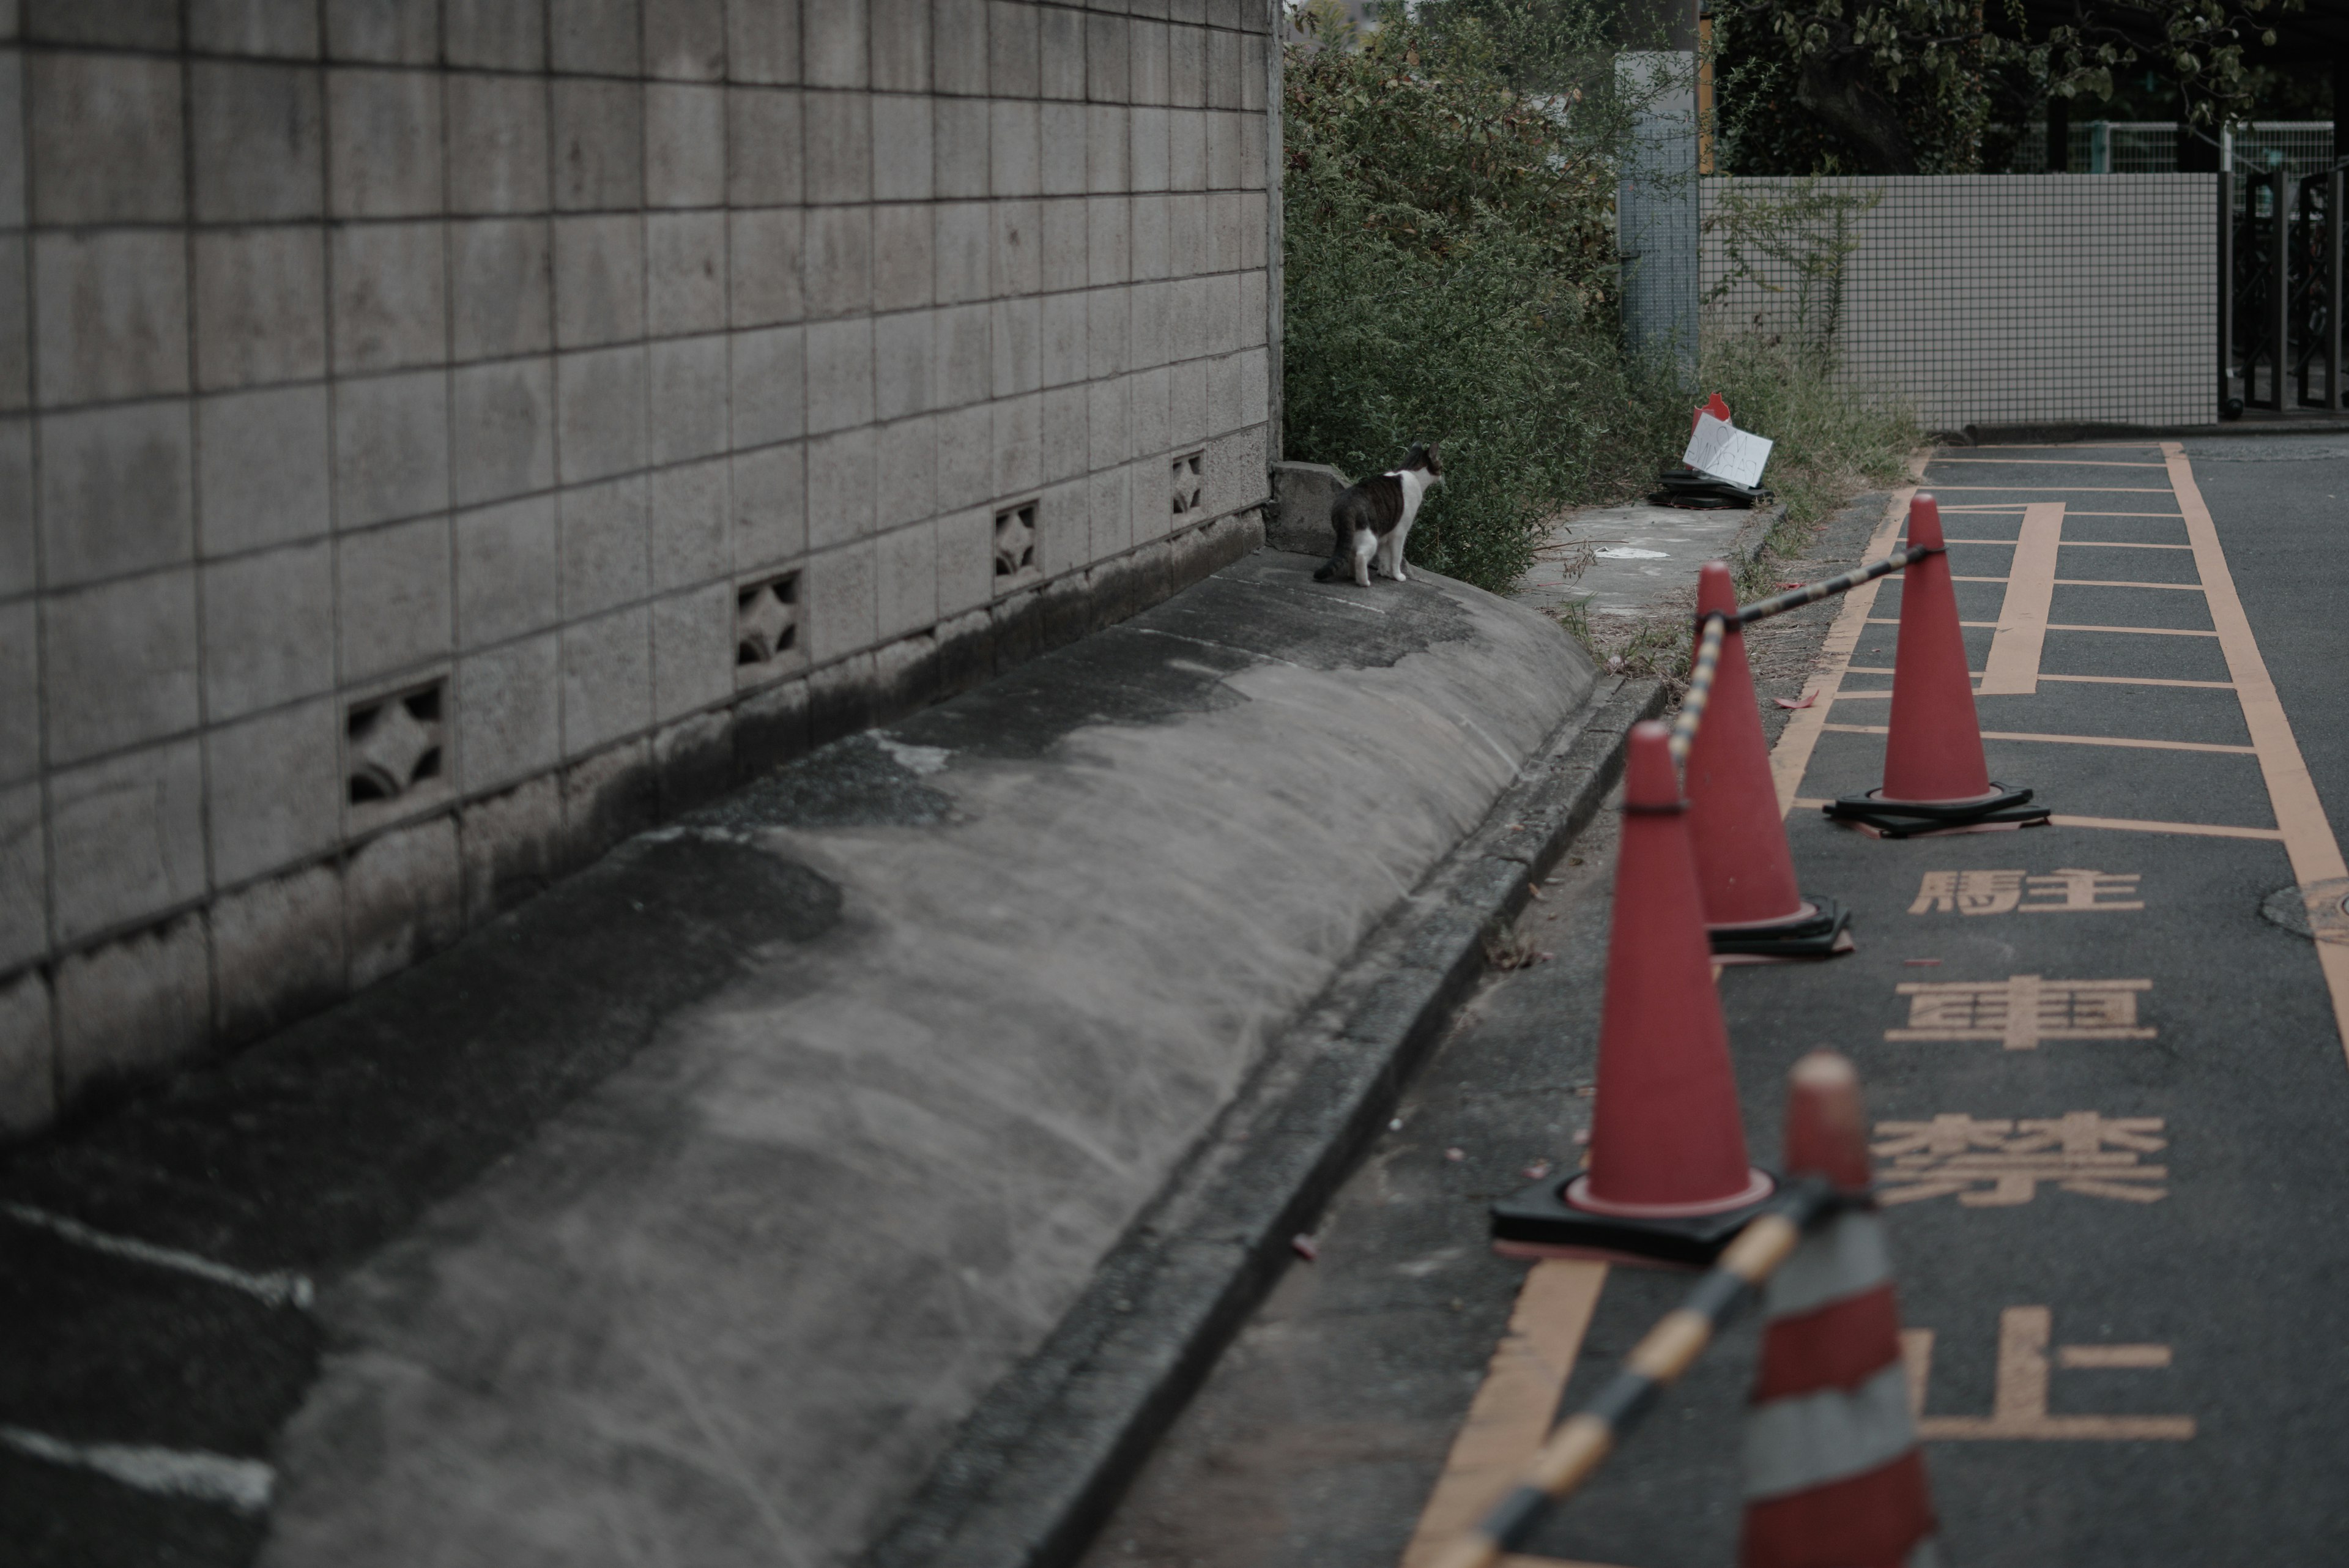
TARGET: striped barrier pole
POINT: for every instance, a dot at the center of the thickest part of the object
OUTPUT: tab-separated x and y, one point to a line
1576	1448
1811	593
1833	1478
1699	688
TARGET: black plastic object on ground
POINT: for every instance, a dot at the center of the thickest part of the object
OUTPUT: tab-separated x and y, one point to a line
1685	487
1908	818
1822	931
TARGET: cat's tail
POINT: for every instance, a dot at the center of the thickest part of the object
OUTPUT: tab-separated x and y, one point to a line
1328	570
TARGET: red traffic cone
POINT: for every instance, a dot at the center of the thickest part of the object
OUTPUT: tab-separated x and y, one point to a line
1833	1475
1753	908
1668	1179
1935	776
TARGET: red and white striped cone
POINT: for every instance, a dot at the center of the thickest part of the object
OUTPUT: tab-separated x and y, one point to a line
1833	1475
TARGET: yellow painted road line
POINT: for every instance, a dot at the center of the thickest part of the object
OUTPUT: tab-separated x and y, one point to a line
2051	489
1872	670
2013	668
1976	624
2079	543
2077	680
2138	630
2141	681
2065	739
2126	824
2115	583
2170	516
2190	829
2308	837
1515	1408
1791	757
2052	461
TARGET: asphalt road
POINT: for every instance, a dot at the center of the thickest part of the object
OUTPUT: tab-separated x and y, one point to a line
2137	1197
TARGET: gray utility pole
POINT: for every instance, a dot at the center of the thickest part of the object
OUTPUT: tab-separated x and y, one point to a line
1656	203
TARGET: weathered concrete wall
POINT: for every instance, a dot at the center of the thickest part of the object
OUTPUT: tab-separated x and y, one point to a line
439	437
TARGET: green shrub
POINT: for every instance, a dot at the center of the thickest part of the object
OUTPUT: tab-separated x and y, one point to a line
1451	276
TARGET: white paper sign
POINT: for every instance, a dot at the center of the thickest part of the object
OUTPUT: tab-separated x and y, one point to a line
1722	450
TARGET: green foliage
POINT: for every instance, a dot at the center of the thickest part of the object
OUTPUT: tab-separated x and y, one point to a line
2199	44
1841	87
1451	276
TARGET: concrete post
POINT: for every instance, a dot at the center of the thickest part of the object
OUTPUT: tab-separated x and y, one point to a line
1656	209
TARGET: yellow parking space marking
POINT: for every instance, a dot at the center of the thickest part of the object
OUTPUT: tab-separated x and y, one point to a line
2166	517
2111	1358
2136	745
1790	759
2013	668
2048	461
1515	1406
2308	837
2019	1405
1975	625
2060	489
2090	544
2140	680
2137	631
2113	583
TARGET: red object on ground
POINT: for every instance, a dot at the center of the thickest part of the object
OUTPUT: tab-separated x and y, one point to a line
1713	406
1743	867
1934	752
1666	1137
1833	1475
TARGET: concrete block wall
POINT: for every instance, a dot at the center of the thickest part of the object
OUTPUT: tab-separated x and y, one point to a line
440	436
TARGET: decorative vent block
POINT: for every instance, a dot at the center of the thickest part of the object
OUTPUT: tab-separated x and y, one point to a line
766	624
1189	487
393	744
1015	543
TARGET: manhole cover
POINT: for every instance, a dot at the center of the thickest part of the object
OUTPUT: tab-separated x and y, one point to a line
2319	911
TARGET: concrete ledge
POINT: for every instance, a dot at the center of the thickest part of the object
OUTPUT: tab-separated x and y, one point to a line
1044	1457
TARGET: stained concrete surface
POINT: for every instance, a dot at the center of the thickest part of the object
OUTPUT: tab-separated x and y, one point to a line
1625	560
680	1215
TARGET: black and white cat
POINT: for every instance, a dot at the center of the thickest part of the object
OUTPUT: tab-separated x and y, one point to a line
1374	516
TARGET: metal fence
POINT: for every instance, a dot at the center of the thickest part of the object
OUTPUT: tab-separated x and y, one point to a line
1984	298
2150	147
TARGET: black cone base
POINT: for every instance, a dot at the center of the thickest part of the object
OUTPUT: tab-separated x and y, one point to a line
1822	933
1538	1221
1906	818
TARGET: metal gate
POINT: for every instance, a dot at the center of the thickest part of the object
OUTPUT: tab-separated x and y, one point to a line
2279	322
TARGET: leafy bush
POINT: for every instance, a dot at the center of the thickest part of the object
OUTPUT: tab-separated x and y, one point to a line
1451	276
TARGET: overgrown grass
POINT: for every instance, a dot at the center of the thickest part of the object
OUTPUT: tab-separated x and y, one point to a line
1833	439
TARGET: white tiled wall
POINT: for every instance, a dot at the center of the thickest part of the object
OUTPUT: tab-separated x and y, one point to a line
404	408
2010	297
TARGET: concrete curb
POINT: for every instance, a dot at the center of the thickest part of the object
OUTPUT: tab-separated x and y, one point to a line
1046	1454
